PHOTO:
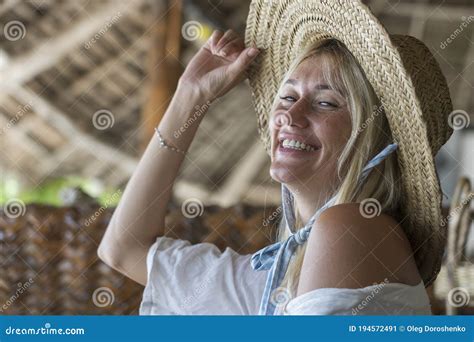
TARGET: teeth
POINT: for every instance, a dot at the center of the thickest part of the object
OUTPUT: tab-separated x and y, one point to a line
297	145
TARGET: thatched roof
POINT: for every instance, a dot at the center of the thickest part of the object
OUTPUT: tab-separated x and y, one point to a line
68	60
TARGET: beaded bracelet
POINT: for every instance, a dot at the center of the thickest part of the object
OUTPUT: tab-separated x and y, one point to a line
164	144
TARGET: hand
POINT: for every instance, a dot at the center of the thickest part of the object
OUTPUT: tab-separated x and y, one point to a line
219	65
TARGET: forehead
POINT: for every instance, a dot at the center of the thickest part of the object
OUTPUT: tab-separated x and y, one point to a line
314	69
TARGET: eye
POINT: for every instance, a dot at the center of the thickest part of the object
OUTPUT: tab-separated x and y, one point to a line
288	98
326	104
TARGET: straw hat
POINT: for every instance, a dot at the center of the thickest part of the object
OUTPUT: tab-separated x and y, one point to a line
404	75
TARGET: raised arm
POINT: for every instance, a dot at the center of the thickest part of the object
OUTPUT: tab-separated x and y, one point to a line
139	217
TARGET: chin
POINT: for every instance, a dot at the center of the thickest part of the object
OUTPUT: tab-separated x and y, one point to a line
281	174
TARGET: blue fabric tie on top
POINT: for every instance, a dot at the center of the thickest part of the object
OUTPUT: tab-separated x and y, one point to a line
276	257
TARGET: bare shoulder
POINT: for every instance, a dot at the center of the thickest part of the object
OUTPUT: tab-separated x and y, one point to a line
352	248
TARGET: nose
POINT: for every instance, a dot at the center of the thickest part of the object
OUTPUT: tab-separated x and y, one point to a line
298	112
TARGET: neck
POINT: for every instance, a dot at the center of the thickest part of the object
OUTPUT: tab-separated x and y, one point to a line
307	201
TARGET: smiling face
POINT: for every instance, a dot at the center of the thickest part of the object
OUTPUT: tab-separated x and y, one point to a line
310	126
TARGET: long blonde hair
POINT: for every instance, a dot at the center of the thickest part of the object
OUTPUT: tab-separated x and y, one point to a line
370	134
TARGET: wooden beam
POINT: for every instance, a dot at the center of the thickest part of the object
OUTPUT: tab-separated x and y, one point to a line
47	54
18	133
173	32
163	69
96	74
263	195
238	182
53	116
183	190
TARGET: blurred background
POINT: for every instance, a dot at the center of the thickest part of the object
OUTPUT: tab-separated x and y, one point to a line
84	83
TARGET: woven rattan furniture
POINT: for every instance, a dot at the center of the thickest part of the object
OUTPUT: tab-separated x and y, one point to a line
49	262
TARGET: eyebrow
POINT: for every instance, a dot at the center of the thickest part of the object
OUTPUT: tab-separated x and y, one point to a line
318	86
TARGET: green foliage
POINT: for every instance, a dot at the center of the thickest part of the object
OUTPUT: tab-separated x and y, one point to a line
49	192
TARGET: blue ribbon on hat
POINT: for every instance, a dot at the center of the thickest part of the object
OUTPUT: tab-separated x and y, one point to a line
276	257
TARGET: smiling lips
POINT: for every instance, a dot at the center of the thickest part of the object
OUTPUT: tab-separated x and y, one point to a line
295	144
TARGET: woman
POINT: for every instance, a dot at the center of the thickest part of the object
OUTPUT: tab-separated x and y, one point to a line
334	127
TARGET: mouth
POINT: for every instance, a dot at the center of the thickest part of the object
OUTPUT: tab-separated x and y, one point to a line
296	145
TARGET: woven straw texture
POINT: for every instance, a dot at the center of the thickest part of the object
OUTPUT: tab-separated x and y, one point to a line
404	75
50	265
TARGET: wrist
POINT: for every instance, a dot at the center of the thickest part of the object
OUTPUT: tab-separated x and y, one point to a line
183	116
190	93
188	104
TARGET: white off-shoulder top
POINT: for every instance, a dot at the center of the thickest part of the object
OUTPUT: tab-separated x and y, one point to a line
199	279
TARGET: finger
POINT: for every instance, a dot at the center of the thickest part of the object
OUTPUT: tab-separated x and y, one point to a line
213	39
228	36
216	36
234	46
243	61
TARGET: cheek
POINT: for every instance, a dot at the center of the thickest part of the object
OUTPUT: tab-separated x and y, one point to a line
335	130
273	134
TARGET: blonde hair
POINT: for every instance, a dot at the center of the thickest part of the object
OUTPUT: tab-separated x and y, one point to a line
370	134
